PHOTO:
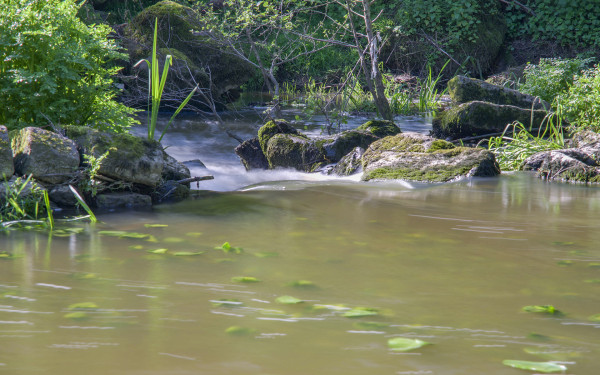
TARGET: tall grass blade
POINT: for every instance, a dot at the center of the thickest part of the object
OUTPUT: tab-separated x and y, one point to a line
83	204
183	104
48	210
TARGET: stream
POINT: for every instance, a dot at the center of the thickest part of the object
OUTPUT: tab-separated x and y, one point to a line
196	287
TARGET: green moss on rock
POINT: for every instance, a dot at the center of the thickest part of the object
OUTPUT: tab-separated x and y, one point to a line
380	128
268	130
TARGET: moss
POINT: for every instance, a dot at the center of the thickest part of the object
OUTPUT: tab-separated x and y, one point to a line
381	128
429	175
440	144
268	130
294	151
341	144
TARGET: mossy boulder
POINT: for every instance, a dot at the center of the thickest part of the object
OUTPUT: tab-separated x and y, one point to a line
417	157
131	159
196	59
123	200
174	169
464	89
7	168
480	118
46	155
339	145
577	164
273	127
350	164
294	151
380	128
251	154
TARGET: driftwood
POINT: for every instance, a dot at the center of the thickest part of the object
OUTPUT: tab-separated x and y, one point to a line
195	179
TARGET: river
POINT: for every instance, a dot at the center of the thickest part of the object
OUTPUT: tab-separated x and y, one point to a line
195	287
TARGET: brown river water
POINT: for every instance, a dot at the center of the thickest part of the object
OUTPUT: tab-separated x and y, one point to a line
451	264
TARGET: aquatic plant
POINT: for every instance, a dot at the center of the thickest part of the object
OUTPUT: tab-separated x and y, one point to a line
428	91
24	200
156	85
545	367
402	344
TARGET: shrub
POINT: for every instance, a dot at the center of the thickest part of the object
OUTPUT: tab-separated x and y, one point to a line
581	104
551	77
54	68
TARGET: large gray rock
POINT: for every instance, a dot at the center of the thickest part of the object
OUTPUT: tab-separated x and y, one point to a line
7	168
62	196
123	200
480	118
350	164
174	169
252	155
294	151
576	164
48	156
131	159
463	89
417	157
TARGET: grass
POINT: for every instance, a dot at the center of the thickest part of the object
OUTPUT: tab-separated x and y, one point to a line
156	86
517	143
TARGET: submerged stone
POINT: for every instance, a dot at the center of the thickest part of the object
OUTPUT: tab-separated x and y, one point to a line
480	118
251	154
46	155
464	89
122	200
7	168
417	157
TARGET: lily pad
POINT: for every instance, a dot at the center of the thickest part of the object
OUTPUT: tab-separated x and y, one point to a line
543	309
239	331
83	306
227	248
565	263
77	315
136	247
594	318
245	279
112	233
5	255
402	344
158	251
288	300
545	367
370	325
156	225
594	265
187	253
359	312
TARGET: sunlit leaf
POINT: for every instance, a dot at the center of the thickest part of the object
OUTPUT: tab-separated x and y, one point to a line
543	309
402	344
592	281
565	263
239	331
538	336
136	247
112	233
288	300
594	265
187	253
545	367
77	315
245	279
226	302
156	225
359	312
5	255
83	306
594	318
158	251
135	235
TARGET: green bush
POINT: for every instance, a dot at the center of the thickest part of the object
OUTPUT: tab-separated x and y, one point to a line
54	68
551	77
581	104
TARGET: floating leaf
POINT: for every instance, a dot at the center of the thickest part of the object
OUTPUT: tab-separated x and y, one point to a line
112	233
78	315
156	225
402	344
592	281
542	309
370	325
359	312
135	235
158	251
245	279
239	331
302	284
187	253
266	254
545	367
225	302
5	255
594	265
594	318
288	300
136	247
538	336
227	248
83	306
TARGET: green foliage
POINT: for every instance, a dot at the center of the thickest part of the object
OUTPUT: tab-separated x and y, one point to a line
546	367
551	77
22	199
54	68
156	85
401	344
581	104
517	142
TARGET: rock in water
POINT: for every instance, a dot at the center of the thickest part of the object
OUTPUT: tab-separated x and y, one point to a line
46	155
417	157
